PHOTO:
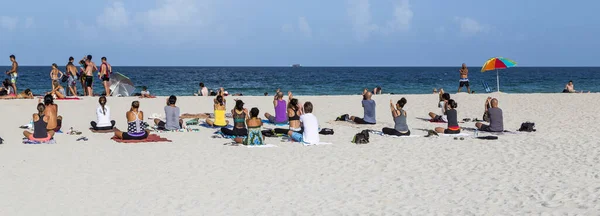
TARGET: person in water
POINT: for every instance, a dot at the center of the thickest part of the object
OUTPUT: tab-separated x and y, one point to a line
368	105
453	127
103	116
493	115
55	75
135	125
240	116
40	123
443	100
464	78
73	76
255	136
13	72
219	107
399	115
280	109
310	124
172	119
104	74
51	110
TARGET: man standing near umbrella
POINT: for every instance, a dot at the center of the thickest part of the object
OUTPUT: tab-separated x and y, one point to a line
464	78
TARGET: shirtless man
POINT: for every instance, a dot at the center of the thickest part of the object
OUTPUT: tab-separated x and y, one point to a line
54	75
464	78
105	71
570	88
72	74
89	71
54	120
13	72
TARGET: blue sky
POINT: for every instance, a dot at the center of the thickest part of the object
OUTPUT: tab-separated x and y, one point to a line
309	32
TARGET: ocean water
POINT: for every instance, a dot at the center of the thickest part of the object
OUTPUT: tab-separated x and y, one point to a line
330	80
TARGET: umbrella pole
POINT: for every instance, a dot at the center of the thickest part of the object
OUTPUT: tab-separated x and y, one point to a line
497	81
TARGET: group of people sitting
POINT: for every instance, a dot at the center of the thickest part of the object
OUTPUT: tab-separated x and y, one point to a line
46	122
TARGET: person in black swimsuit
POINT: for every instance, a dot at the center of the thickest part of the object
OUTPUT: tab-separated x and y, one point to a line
40	122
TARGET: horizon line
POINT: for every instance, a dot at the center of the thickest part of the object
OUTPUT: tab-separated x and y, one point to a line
290	66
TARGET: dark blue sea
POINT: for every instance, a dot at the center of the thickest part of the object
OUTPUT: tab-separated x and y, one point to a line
329	80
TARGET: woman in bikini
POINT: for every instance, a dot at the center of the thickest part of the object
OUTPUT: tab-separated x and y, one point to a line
54	75
135	125
220	106
254	124
240	115
40	122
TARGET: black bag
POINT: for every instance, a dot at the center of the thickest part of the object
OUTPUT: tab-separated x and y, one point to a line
1	140
268	133
527	127
326	131
344	117
361	138
65	79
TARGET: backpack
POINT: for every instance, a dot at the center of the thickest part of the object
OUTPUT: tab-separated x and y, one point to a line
326	131
361	138
527	127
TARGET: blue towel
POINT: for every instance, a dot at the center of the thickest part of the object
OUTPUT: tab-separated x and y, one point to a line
203	124
268	122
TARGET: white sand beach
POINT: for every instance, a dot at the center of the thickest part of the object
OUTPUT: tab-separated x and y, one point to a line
554	171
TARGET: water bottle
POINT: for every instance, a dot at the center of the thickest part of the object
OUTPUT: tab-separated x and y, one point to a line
476	132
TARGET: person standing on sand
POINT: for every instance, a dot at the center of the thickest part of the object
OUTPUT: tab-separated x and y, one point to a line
464	78
72	74
105	71
54	75
13	72
89	72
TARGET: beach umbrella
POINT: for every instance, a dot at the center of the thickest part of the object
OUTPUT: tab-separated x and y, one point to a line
495	64
120	85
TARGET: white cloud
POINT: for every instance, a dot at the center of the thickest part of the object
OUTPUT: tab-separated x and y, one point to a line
402	16
304	27
359	12
114	17
9	23
287	28
29	22
469	26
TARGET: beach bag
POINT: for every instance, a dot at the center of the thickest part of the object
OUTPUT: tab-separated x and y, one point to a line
64	78
361	138
268	133
326	131
527	127
1	140
344	117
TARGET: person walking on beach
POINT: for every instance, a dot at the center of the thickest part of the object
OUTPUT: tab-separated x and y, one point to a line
13	72
89	72
72	74
464	78
54	75
105	71
493	115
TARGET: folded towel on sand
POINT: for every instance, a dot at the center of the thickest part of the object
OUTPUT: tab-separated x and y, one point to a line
320	143
151	138
457	135
102	131
268	122
27	141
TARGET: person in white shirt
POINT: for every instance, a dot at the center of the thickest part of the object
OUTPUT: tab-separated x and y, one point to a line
103	114
310	124
203	91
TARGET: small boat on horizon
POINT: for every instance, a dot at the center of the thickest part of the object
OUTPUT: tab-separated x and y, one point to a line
296	65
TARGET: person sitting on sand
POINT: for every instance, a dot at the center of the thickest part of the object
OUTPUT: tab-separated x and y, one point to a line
55	75
173	121
145	93
280	109
23	95
377	90
369	110
51	110
294	111
40	123
103	116
219	107
310	124
255	136
570	88
494	117
399	115
452	116
203	91
135	125
240	116
6	88
444	97
58	91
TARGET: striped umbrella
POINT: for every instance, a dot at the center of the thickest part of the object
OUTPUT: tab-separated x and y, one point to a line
495	64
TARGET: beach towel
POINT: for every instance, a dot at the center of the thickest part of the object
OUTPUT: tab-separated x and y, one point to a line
151	138
102	131
220	133
204	124
193	122
264	121
27	141
457	135
487	137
